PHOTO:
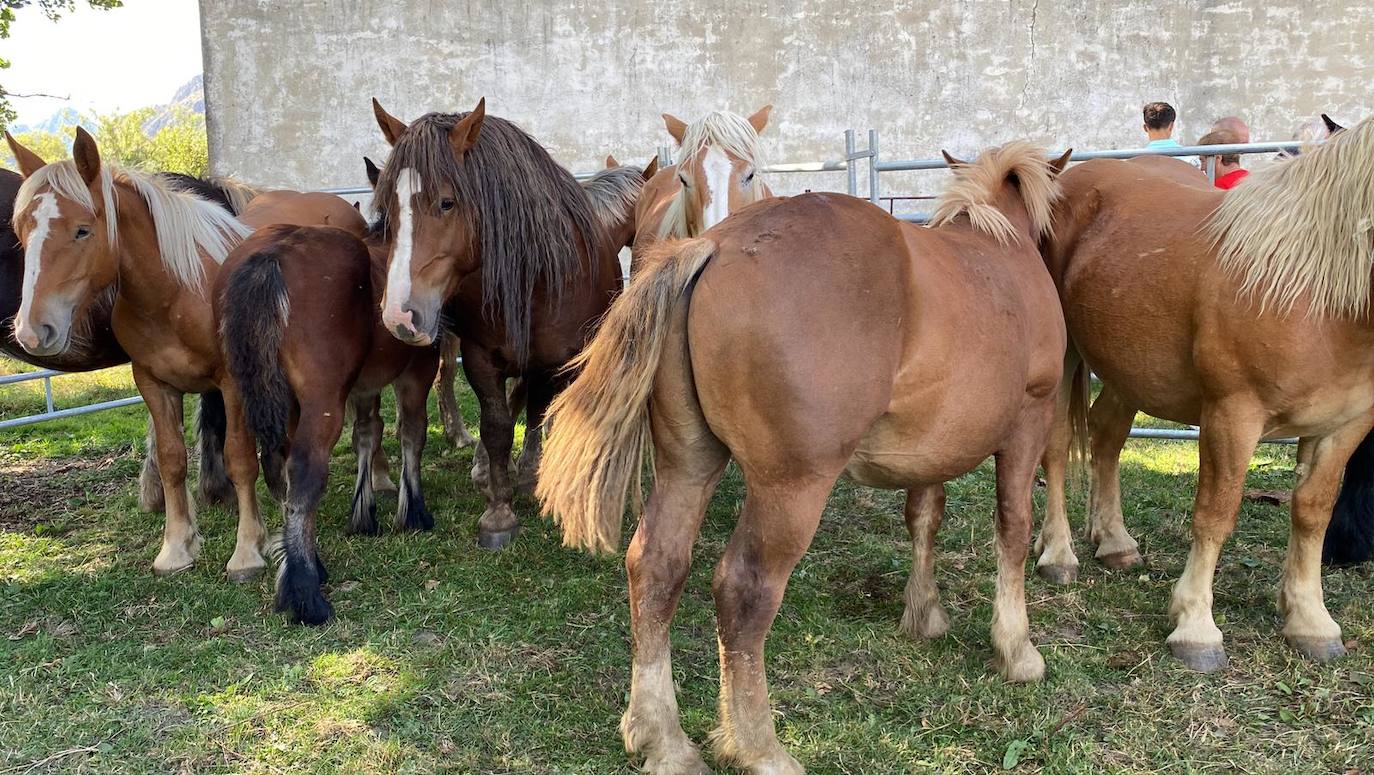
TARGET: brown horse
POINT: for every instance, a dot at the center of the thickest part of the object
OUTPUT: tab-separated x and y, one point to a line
88	225
718	173
299	315
807	338
614	192
1246	313
484	226
94	345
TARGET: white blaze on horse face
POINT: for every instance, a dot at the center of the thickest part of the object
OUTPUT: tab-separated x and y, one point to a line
717	167
43	214
398	276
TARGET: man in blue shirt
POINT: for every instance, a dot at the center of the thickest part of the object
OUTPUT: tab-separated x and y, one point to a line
1159	125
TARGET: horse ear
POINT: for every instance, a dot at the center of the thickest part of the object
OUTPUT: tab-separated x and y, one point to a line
611	161
29	162
392	127
951	161
464	134
651	169
373	171
676	127
1059	164
760	118
86	156
1331	126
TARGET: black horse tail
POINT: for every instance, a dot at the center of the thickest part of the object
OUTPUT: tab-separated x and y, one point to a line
256	307
1350	536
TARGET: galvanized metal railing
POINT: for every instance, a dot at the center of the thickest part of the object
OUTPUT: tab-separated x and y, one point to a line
50	411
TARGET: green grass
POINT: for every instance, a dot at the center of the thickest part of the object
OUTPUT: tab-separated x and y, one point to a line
519	661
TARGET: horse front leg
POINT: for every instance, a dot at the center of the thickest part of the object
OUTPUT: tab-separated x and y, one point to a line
181	539
498	524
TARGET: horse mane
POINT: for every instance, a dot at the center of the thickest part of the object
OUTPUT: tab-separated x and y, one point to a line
230	193
613	194
236	191
1304	226
735	135
527	212
186	225
978	182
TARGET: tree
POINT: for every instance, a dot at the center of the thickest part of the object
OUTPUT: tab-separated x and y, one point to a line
53	9
178	145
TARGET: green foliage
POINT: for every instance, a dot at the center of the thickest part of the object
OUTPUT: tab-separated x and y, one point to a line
53	9
178	146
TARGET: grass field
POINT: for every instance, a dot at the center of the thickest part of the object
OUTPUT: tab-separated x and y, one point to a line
446	657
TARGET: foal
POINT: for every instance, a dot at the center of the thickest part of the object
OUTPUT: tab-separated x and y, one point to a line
298	311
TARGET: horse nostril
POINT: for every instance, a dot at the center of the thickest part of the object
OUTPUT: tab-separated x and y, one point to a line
47	335
417	321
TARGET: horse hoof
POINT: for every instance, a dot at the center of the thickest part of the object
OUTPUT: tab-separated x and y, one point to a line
1058	574
163	573
1318	649
1122	560
496	540
244	575
1201	657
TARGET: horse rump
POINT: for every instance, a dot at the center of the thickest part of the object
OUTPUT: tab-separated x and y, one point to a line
255	309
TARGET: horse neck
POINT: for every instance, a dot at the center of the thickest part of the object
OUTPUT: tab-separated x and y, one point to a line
144	280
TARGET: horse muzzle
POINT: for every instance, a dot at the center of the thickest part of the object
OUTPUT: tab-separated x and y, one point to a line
42	339
407	324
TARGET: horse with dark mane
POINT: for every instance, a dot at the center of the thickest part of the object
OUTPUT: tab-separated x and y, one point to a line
490	238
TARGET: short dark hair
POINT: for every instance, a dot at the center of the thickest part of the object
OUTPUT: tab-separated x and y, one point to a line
1159	115
1222	137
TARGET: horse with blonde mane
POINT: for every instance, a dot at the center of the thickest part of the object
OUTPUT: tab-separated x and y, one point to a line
807	338
87	225
1248	315
717	173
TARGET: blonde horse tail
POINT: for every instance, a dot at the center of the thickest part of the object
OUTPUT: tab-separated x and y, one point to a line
1080	400
599	427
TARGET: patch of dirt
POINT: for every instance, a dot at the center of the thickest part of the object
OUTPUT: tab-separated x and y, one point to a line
33	487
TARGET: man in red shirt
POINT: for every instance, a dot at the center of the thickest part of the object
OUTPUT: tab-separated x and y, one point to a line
1228	169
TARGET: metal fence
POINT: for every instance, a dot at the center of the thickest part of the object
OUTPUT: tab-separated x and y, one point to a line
851	163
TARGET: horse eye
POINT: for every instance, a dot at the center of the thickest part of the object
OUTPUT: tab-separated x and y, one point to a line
446	205
747	179
681	178
82	232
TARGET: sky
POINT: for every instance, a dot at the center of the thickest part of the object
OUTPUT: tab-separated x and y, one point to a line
105	61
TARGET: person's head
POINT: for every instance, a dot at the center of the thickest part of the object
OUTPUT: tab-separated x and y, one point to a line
1226	162
1235	125
1159	120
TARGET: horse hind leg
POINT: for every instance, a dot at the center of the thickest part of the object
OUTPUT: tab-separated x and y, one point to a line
150	497
923	616
498	524
302	574
775	528
214	484
363	516
455	429
1016	657
1055	558
1109	424
412	397
1228	439
381	467
690	464
1308	625
538	391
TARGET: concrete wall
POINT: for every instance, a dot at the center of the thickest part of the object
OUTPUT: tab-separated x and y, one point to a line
288	83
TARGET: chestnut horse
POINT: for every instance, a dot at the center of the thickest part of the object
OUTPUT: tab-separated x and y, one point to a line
810	337
717	174
299	312
93	342
1244	312
88	225
486	228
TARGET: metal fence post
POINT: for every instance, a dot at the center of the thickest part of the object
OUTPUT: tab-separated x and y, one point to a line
47	392
873	185
849	162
